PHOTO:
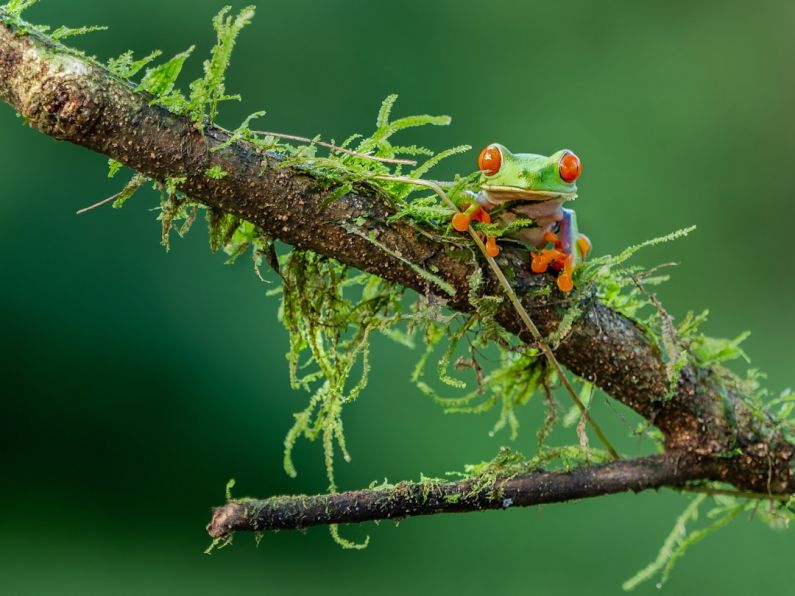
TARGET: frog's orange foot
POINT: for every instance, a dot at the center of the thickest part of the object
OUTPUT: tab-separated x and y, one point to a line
537	263
463	219
552	238
461	222
481	215
491	247
565	282
584	244
541	260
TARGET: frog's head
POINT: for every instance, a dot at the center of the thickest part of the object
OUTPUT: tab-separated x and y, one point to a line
524	176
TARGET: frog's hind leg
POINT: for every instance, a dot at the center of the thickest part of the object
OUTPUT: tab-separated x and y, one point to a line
569	248
576	247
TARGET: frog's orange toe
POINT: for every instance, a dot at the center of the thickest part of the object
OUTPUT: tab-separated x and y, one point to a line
584	244
483	216
551	238
538	263
565	283
461	222
491	247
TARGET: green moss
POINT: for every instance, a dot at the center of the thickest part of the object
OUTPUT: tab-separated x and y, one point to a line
114	167
206	93
330	313
229	486
64	32
345	543
160	81
429	485
219	543
680	539
135	183
125	66
15	8
216	173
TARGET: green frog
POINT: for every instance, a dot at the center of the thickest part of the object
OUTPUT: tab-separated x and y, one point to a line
525	185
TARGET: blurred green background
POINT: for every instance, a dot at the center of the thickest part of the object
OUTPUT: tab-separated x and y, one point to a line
135	382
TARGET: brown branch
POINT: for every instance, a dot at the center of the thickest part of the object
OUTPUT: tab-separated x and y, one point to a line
73	99
409	499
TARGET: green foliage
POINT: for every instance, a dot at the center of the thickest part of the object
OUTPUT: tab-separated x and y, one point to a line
680	539
426	275
512	383
379	140
330	314
683	344
216	173
625	289
435	159
520	374
65	32
137	181
206	93
508	463
345	543
241	133
229	486
345	169
114	167
175	207
219	543
161	80
673	542
125	66
15	8
488	475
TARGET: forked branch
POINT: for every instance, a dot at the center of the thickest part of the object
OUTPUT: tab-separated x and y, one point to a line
77	100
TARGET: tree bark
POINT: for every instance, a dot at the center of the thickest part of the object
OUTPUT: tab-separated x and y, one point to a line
74	99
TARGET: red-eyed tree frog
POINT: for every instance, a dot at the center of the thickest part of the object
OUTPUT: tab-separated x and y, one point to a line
524	185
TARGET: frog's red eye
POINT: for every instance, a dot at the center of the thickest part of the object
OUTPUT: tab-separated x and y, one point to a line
490	160
569	167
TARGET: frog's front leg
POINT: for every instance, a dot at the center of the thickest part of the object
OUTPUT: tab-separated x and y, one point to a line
569	249
475	212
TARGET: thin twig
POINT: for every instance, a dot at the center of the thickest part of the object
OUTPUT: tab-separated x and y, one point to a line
406	162
96	205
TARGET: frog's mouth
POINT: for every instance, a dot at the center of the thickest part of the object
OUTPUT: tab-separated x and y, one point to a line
512	193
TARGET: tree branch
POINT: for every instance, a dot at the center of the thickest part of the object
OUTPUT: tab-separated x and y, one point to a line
74	99
409	499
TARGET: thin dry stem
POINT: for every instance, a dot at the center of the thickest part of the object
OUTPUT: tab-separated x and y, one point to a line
278	135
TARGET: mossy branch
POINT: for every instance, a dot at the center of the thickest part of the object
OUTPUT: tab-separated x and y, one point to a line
72	98
428	497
